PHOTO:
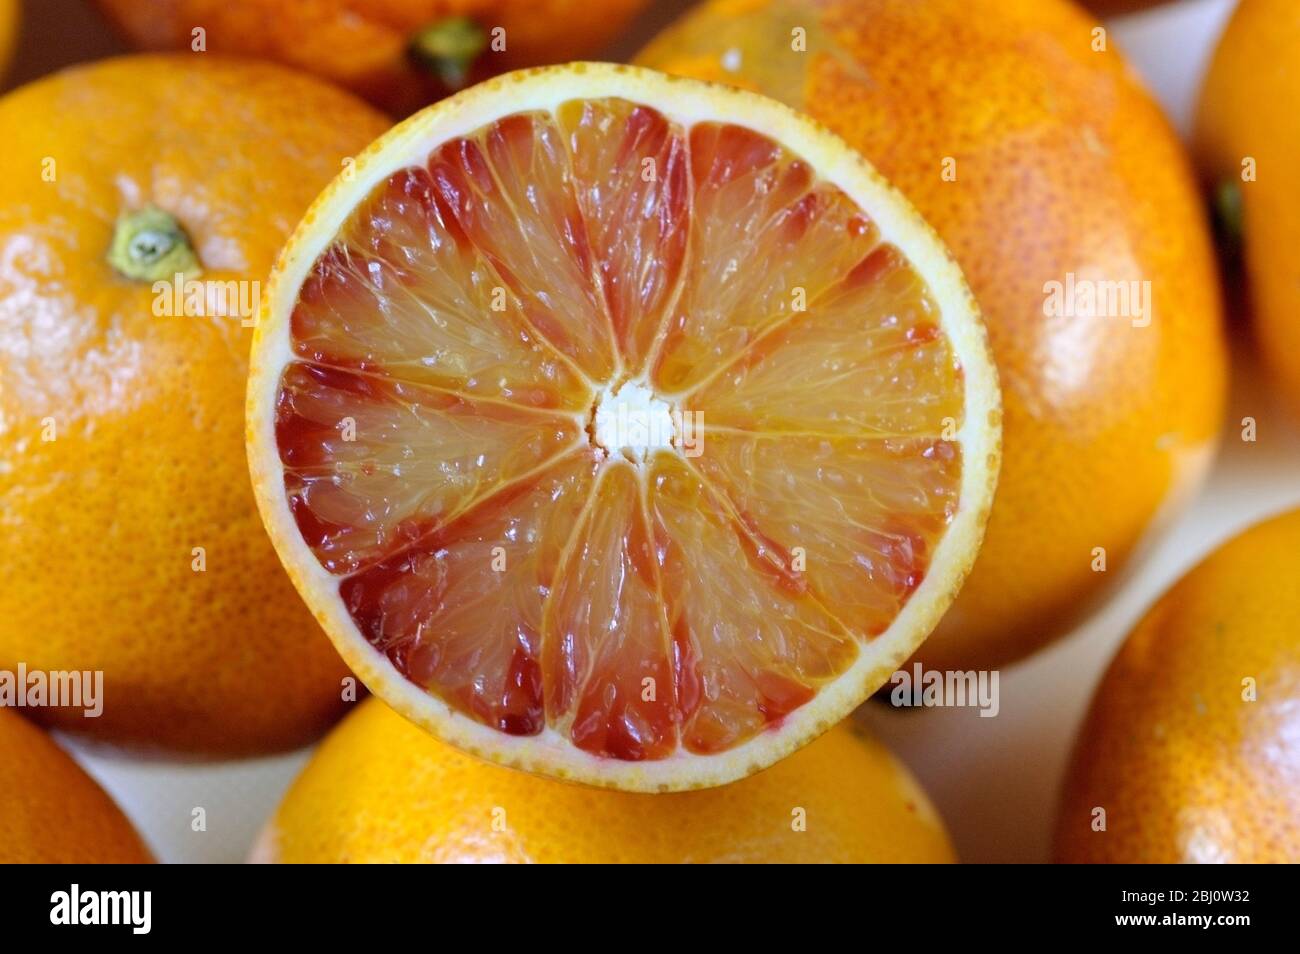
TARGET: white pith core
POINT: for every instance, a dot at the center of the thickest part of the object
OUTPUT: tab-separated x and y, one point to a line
632	421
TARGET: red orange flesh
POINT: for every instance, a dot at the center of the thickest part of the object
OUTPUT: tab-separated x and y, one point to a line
449	352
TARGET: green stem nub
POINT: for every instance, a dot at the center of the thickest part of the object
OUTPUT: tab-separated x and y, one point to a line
448	48
149	245
1229	213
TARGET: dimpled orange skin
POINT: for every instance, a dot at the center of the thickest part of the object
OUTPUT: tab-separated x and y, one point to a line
98	526
1063	165
381	790
1186	768
52	812
362	44
1247	111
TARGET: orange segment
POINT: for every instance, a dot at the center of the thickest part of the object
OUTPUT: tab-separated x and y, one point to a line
633	187
749	641
767	238
404	294
606	659
713	471
460	612
867	548
900	358
510	189
371	465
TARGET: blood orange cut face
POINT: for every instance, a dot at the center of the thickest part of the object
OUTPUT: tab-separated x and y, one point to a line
621	428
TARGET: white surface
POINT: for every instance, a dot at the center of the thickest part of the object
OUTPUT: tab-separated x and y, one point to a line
994	780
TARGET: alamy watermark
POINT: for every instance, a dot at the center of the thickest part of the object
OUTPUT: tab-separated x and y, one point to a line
207	298
946	688
83	689
633	420
1092	298
132	909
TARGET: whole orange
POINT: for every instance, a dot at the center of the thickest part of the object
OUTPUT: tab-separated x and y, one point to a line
399	54
1046	168
1248	136
129	539
1190	745
51	812
380	789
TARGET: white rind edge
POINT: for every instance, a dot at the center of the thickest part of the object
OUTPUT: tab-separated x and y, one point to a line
686	102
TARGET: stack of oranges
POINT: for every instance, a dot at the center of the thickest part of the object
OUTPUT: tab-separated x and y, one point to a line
623	428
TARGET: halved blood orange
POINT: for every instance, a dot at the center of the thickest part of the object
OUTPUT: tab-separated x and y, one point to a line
622	428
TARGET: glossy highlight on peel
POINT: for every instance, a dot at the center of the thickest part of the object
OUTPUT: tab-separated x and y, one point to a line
446	328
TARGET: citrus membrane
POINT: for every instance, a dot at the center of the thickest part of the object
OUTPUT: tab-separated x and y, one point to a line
622	428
